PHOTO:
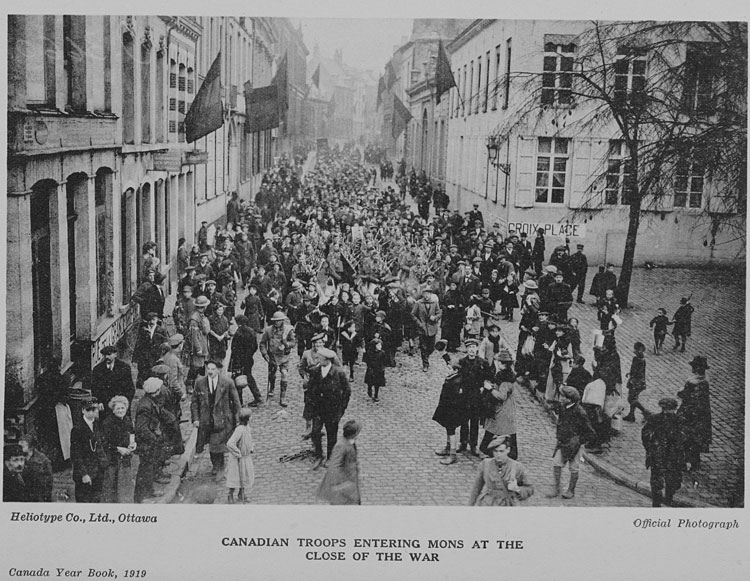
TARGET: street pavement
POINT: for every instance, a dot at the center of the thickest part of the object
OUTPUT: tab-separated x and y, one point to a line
397	443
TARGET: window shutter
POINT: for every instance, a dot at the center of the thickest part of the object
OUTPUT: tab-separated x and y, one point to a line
525	172
580	194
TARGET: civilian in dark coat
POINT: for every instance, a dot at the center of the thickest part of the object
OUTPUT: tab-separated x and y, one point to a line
682	323
329	392
215	412
663	439
473	371
88	456
695	412
244	347
118	435
579	267
109	378
537	252
573	431
15	488
37	471
579	377
147	350
376	360
341	482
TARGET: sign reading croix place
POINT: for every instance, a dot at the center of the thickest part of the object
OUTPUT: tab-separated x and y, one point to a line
569	230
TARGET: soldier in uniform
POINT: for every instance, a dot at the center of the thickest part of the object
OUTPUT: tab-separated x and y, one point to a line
276	347
196	339
579	266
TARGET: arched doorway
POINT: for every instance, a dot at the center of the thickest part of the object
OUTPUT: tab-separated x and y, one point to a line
41	276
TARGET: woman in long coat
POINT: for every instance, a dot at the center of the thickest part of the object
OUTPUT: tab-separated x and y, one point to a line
253	308
451	413
341	482
695	412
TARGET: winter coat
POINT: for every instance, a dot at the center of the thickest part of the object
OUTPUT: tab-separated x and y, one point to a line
216	423
451	409
504	419
664	442
491	484
340	485
329	395
695	412
427	315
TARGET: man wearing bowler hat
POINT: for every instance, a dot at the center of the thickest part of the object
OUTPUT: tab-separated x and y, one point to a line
329	392
111	377
663	439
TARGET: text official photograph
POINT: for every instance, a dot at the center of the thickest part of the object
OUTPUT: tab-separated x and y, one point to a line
374	289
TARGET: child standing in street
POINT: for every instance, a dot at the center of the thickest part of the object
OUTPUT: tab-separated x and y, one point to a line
240	470
377	361
659	324
350	342
636	381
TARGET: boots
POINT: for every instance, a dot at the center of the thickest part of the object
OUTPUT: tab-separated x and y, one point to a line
241	495
230	496
450	448
444	451
308	430
571	492
462	447
555	490
282	403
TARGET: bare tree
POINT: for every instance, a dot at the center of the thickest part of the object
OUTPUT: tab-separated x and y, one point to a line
673	98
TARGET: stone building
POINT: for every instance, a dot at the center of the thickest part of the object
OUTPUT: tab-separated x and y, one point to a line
555	171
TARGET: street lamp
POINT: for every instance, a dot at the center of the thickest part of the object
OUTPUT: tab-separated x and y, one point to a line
493	149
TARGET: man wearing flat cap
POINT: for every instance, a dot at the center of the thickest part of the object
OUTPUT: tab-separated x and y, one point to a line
476	216
329	392
664	442
579	267
87	455
147	347
152	421
15	488
472	370
573	431
109	378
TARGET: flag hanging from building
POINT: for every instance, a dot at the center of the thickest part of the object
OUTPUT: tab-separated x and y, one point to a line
390	76
316	77
280	80
444	80
206	113
401	117
261	108
381	91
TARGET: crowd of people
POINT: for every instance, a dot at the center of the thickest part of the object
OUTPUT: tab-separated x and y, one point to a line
331	266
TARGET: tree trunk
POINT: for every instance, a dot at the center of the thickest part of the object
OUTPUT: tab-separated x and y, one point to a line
623	286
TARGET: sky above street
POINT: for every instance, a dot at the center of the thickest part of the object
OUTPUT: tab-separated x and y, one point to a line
366	43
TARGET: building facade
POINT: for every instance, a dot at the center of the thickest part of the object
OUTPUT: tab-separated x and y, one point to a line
98	165
548	170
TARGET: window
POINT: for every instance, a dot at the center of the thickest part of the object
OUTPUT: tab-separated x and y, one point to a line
506	92
172	80
551	170
619	181
470	87
146	92
128	90
700	67
689	178
557	75
172	126
486	82
496	87
107	42
190	83
479	85
103	193
181	106
74	59
630	75
463	100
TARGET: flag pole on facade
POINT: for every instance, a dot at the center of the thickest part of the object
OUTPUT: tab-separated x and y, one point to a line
206	113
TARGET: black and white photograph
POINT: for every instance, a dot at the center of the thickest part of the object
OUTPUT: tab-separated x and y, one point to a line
383	261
